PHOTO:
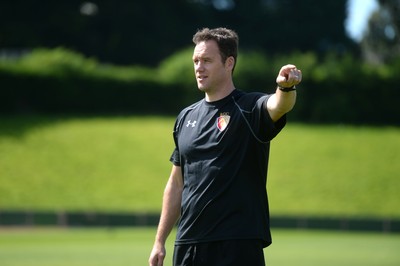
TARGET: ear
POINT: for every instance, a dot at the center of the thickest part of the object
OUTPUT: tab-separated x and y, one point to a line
230	62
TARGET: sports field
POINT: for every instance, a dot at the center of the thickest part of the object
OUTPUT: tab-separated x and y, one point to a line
121	164
120	247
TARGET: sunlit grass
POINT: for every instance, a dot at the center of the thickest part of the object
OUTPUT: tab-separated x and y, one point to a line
335	170
122	164
86	164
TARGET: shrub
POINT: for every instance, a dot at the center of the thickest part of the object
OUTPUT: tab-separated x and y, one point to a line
335	88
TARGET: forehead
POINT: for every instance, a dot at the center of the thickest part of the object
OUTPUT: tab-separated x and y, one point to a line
206	49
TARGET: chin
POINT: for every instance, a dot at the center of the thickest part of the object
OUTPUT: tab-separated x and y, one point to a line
202	88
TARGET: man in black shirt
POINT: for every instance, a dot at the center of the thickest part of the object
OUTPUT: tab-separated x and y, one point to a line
217	185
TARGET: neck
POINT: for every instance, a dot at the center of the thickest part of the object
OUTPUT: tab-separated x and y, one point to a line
216	95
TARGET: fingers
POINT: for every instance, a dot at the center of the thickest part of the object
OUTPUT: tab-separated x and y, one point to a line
289	76
295	76
160	260
156	259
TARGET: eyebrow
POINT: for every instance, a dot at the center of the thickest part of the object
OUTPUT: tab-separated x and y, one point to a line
203	57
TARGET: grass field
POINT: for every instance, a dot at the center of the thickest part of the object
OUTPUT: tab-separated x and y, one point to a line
122	247
55	163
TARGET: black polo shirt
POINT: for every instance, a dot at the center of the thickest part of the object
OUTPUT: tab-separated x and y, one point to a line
223	150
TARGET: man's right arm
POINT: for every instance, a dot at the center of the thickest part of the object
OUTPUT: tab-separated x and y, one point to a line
169	215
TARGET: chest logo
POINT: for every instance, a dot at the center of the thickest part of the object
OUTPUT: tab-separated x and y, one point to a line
223	121
190	123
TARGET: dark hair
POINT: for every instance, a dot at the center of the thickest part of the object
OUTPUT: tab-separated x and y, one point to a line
226	39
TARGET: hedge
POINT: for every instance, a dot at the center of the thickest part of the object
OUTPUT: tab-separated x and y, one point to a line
335	89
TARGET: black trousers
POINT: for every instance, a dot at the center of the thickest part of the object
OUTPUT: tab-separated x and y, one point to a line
220	253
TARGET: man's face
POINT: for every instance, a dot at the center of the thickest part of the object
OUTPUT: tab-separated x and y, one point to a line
210	72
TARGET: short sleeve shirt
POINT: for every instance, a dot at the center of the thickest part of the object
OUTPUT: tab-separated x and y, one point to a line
222	148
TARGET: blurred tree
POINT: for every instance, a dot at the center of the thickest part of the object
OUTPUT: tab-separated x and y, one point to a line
382	41
120	31
281	26
146	31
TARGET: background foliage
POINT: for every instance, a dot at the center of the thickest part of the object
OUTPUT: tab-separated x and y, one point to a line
64	60
335	89
120	56
146	32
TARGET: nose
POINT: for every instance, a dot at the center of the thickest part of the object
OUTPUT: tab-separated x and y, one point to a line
198	67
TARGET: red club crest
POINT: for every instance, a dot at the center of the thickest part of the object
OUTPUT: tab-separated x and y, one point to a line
223	121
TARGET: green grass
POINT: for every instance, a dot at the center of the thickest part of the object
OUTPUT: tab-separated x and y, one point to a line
118	247
84	164
122	164
332	248
335	170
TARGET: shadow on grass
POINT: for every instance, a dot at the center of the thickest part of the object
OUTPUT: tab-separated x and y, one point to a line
16	126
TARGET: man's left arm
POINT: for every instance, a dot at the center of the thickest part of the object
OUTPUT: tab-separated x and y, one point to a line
283	100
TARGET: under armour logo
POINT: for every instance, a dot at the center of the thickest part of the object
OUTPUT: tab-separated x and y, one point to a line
192	124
